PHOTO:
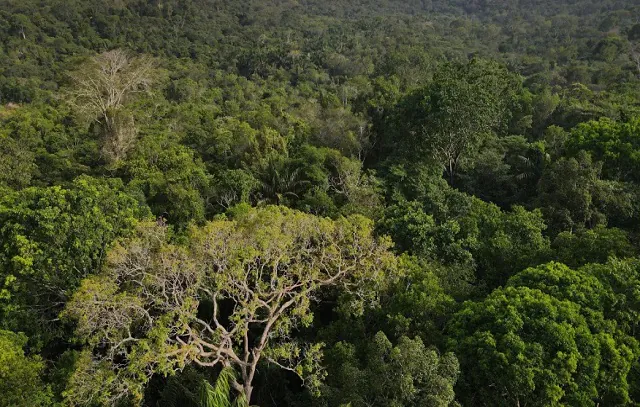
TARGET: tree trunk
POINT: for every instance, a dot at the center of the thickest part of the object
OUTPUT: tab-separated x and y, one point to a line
451	171
248	389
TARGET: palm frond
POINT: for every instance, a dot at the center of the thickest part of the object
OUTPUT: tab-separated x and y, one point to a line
241	401
219	394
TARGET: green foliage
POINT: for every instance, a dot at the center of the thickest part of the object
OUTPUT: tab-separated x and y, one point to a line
602	303
467	233
170	177
504	171
561	282
592	246
573	196
219	395
451	116
522	344
620	277
50	239
204	112
416	302
182	389
407	374
20	375
616	144
42	144
17	164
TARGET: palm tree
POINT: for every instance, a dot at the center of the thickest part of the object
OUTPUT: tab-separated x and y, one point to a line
219	394
280	182
531	167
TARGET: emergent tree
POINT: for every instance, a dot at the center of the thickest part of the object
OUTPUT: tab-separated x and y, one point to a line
233	298
102	86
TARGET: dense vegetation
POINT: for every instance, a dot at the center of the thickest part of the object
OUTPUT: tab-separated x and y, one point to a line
326	203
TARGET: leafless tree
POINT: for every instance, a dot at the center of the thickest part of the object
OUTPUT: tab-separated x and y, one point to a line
103	86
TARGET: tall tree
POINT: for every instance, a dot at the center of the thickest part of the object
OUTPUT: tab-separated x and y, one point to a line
233	298
450	117
102	87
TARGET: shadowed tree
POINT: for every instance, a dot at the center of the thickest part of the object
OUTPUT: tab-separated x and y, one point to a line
451	117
